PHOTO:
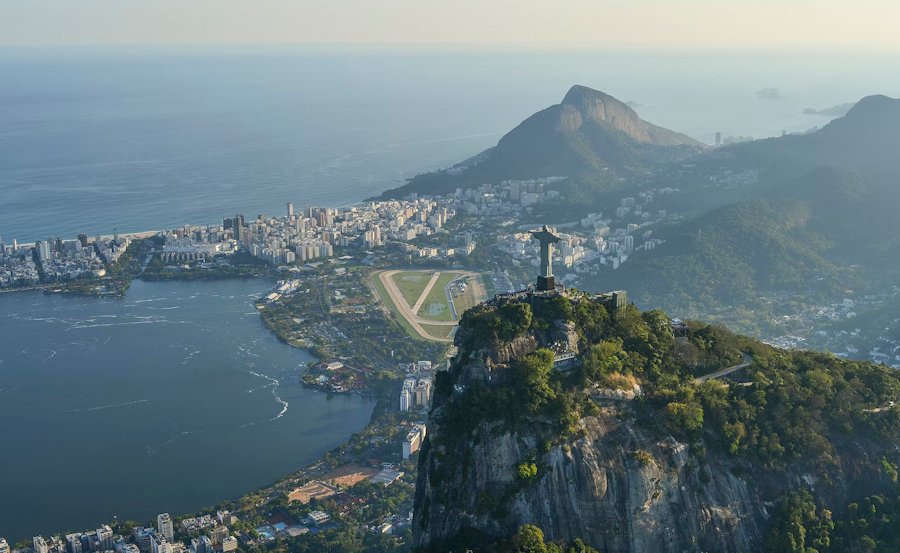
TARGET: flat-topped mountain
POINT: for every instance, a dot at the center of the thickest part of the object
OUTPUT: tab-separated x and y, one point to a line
588	131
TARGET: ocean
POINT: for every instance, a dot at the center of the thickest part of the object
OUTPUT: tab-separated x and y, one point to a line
130	139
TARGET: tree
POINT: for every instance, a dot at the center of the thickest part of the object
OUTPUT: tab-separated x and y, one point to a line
604	359
533	378
799	527
515	318
686	415
529	539
527	471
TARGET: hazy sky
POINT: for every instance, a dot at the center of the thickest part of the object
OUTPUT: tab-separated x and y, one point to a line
864	24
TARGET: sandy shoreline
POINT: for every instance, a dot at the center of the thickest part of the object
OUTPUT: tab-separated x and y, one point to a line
129	235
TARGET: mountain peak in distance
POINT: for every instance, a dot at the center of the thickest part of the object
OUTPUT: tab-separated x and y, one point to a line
588	131
873	113
582	104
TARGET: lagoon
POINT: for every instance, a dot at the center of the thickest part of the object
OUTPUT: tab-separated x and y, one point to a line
168	400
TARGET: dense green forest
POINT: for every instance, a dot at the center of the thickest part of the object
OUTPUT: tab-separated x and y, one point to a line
786	409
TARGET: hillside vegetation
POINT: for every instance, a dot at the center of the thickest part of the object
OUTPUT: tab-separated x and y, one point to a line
808	431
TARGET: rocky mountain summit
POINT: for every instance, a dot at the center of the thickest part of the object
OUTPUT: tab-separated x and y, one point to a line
627	449
585	106
588	131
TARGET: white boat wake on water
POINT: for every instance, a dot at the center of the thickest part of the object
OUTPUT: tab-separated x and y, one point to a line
190	356
110	406
273	384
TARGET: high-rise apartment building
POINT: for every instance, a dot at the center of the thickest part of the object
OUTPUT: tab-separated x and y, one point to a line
40	545
105	537
165	527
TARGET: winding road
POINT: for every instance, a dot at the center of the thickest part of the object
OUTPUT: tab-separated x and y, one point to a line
748	360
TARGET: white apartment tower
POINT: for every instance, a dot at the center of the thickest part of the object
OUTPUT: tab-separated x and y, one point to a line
105	537
40	546
405	399
165	527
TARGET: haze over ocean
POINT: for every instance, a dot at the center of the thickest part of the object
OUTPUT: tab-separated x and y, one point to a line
147	138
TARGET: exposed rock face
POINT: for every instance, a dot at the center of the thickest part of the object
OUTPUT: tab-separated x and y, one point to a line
597	488
582	104
619	486
586	132
616	478
565	335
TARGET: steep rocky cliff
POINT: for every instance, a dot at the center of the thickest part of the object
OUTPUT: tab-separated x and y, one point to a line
596	488
583	105
621	481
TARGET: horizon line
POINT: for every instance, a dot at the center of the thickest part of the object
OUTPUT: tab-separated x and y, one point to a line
569	46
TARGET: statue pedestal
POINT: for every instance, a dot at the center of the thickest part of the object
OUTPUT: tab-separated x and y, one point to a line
546	283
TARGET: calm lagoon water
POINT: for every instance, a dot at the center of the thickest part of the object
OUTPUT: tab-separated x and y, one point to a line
170	399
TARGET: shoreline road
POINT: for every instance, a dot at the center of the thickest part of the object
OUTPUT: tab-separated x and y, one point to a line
748	360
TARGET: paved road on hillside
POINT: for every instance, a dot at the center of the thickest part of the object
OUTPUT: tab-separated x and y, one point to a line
748	360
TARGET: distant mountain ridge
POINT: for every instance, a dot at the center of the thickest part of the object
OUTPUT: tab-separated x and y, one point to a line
588	131
809	214
820	221
866	138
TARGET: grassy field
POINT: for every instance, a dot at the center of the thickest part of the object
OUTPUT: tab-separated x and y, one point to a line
411	284
438	331
386	299
436	306
468	298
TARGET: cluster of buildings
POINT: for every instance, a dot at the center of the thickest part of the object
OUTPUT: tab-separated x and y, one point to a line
416	392
510	197
413	440
417	386
189	244
597	240
838	327
465	245
17	268
337	487
56	260
296	237
302	237
216	539
282	288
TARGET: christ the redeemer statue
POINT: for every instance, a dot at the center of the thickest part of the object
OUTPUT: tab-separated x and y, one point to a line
547	239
